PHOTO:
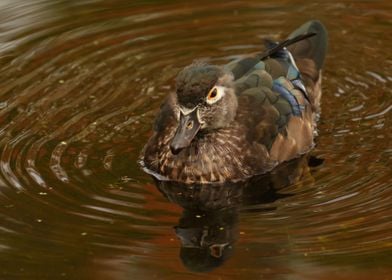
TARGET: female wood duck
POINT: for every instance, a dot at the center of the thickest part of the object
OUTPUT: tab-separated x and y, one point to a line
231	122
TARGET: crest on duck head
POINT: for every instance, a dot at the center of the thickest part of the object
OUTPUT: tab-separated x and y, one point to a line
195	81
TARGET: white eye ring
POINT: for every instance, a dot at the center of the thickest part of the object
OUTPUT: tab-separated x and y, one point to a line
215	94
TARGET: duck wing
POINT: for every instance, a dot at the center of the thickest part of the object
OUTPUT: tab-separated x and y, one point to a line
277	94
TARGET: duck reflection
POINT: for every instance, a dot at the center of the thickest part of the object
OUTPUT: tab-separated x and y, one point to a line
208	227
207	237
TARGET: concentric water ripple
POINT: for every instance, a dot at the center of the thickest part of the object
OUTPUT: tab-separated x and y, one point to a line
80	84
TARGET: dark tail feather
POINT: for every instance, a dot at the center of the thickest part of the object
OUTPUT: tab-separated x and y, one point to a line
275	48
313	48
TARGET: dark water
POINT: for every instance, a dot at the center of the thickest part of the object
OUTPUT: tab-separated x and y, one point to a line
80	84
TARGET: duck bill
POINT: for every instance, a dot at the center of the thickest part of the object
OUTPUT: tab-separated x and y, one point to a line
188	127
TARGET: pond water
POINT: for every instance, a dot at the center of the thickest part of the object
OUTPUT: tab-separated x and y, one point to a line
80	84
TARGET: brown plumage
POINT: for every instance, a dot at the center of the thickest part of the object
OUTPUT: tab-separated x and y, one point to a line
231	122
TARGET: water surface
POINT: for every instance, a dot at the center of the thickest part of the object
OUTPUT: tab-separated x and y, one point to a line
80	84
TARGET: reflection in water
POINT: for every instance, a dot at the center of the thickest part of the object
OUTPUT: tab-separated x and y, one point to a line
208	227
207	237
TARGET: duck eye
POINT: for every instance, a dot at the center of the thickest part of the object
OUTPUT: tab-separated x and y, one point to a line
215	94
212	94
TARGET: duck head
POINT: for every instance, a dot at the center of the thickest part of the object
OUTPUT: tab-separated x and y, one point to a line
206	101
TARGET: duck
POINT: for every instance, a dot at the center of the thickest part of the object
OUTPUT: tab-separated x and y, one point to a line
228	123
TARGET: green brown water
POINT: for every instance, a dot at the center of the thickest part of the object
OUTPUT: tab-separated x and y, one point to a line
80	84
